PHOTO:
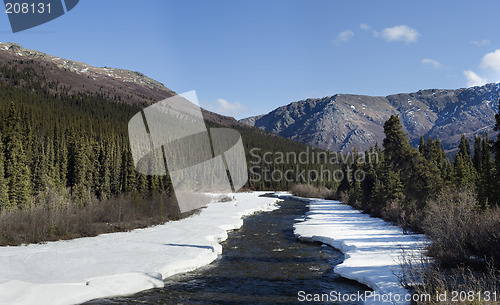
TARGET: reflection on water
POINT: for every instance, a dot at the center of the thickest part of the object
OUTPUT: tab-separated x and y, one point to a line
262	263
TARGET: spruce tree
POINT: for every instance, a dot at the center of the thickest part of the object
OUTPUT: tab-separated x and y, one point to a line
78	164
17	171
378	199
394	187
421	146
396	143
52	165
4	191
40	172
420	177
128	172
464	174
464	147
368	183
487	176
104	181
478	154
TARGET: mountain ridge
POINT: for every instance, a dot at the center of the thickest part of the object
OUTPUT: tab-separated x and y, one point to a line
76	77
343	121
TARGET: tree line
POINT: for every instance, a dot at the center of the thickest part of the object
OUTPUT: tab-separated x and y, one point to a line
72	143
76	144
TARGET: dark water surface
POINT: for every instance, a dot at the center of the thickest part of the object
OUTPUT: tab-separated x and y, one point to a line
262	263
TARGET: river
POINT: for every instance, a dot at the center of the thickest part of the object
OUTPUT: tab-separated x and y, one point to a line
262	263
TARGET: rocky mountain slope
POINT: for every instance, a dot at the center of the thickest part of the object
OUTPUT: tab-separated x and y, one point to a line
343	121
77	77
74	76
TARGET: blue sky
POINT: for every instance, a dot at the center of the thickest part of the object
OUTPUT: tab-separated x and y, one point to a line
249	57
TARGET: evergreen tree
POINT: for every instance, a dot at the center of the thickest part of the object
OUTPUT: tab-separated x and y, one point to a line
464	172
396	143
464	147
478	153
142	183
40	172
78	164
463	166
104	181
116	170
345	183
128	172
4	191
421	146
378	199
487	174
371	177
420	177
394	187
442	162
17	171
52	165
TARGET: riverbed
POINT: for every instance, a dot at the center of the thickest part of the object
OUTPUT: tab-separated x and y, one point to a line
261	263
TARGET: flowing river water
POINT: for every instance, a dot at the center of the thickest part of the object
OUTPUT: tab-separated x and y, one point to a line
262	263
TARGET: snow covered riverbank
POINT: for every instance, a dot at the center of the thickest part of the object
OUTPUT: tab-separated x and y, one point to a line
72	272
372	247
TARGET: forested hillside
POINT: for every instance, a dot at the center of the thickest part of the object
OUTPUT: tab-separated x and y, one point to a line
59	140
64	153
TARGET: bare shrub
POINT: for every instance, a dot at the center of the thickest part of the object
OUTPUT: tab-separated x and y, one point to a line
53	216
425	278
310	191
485	235
345	196
449	220
395	212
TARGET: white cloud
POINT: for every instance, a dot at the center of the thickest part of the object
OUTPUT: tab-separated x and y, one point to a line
345	35
473	79
400	33
365	27
479	43
225	107
431	63
491	60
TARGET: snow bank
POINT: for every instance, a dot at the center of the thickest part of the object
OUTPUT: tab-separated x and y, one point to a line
372	247
76	271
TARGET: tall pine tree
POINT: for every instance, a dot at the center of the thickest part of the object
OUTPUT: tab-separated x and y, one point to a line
464	173
4	191
17	171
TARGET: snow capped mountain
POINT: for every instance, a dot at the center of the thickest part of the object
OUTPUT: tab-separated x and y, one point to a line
343	121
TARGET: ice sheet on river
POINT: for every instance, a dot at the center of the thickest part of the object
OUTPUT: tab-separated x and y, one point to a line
372	247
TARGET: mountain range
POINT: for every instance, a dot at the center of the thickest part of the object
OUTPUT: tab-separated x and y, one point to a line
344	121
338	123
